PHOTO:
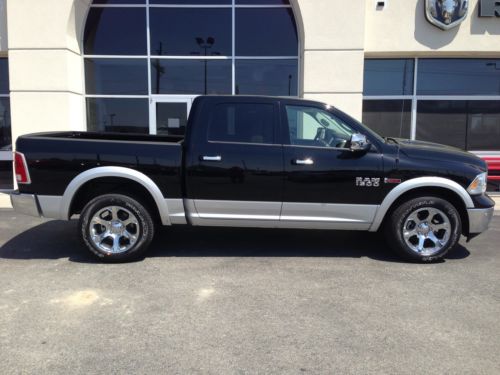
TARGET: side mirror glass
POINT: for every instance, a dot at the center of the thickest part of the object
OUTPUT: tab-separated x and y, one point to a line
359	143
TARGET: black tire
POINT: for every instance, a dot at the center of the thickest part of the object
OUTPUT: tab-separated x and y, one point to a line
400	229
134	238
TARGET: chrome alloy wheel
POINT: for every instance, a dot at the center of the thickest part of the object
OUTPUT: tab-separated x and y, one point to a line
114	229
426	230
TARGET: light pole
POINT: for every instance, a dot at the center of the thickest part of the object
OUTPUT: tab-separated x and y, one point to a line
205	45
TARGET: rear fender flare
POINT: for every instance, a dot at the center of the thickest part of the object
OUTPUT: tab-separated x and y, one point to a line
122	172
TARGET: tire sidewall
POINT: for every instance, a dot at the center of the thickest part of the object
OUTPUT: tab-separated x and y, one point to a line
404	211
146	229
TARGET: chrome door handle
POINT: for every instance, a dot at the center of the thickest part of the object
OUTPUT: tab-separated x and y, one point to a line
307	161
211	158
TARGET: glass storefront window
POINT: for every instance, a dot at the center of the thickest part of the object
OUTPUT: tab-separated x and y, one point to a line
5	127
195	47
388	77
274	34
191	77
115	31
467	124
442	121
116	76
458	77
6	175
389	118
191	31
119	2
263	2
266	77
4	76
118	115
191	2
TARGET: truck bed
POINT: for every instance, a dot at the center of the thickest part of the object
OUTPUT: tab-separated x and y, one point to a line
55	158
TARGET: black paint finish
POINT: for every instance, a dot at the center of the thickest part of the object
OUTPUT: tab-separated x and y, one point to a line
247	171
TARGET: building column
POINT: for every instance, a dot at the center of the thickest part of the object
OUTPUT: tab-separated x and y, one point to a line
332	53
46	67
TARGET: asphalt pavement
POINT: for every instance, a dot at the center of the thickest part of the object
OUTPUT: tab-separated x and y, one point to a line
226	301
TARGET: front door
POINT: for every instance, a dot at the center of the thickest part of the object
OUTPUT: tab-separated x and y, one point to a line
169	115
327	185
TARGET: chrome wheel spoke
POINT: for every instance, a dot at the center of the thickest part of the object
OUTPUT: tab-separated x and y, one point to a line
131	237
409	233
114	213
433	238
116	243
443	225
421	242
130	220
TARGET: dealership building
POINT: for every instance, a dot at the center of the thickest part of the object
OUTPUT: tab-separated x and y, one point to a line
425	70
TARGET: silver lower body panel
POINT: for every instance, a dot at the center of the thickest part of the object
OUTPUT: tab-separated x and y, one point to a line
25	204
280	215
479	219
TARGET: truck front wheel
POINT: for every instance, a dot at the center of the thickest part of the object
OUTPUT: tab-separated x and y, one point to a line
116	227
424	229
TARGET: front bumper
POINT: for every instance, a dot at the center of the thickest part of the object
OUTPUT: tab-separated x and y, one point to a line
479	219
26	204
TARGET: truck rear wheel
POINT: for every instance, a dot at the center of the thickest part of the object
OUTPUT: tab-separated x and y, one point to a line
116	227
424	229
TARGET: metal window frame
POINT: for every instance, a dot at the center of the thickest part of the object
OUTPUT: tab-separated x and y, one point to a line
149	57
415	98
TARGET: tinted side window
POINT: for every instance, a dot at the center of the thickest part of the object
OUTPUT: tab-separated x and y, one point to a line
242	122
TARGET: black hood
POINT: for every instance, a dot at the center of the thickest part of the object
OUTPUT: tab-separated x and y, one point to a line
439	152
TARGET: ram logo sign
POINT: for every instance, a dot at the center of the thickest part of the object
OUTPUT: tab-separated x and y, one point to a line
446	14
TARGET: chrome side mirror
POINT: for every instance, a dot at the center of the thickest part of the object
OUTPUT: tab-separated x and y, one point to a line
359	142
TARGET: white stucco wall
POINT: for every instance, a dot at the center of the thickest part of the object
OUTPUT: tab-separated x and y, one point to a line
46	72
333	52
401	29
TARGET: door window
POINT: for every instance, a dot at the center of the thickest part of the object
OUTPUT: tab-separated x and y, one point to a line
309	126
242	123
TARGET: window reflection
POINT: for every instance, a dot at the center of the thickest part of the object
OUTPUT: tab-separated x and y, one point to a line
4	76
459	77
115	31
118	115
191	76
175	31
266	32
266	77
388	77
116	76
389	118
5	126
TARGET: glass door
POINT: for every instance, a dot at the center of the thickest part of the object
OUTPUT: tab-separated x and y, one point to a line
168	116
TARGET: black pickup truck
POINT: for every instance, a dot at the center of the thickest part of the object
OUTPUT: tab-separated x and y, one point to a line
254	162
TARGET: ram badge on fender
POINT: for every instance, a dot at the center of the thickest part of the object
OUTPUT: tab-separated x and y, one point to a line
254	162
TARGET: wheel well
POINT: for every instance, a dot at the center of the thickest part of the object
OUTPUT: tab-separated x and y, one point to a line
443	193
113	185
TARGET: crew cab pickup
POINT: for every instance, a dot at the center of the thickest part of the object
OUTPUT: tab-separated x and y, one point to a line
254	162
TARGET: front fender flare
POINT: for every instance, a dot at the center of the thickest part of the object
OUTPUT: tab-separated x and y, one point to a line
418	183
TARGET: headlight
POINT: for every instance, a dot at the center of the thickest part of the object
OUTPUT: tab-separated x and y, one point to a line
478	186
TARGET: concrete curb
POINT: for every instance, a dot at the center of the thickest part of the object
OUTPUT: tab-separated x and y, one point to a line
5	201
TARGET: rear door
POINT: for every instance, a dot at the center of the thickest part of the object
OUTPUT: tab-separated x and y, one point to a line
327	185
235	166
